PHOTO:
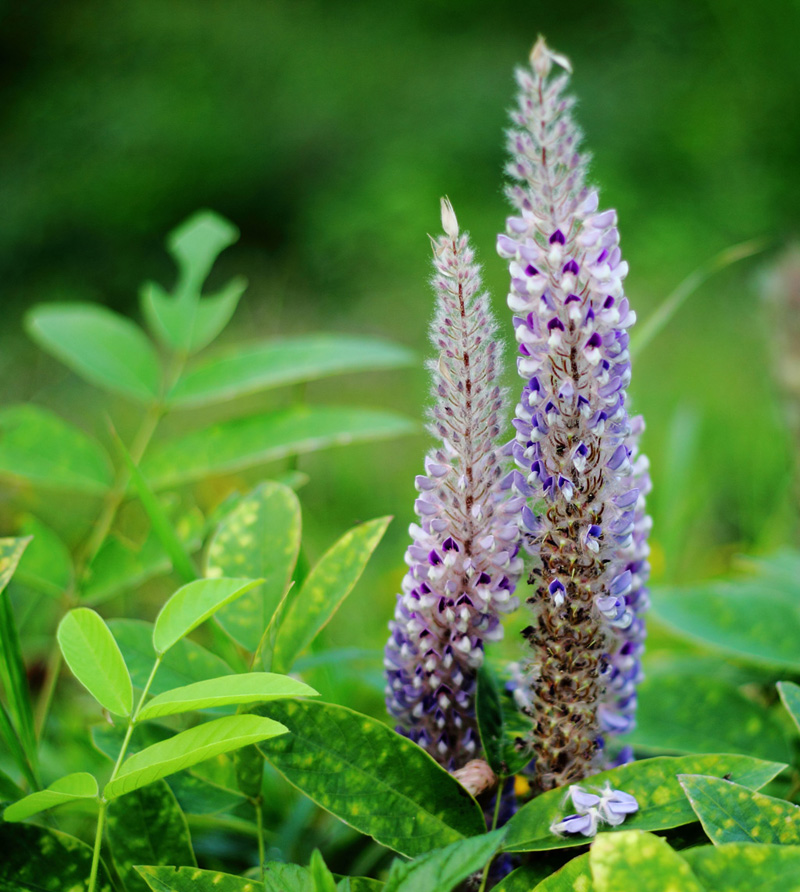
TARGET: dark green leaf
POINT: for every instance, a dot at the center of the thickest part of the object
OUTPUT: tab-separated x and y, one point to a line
104	348
15	748
9	790
190	879
574	875
66	789
246	442
147	827
489	714
790	695
249	765
371	778
277	363
198	796
630	859
279	877
46	565
746	867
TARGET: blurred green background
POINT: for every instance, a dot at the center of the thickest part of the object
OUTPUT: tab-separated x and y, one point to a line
327	132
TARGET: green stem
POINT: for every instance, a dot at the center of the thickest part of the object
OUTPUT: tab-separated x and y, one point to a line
495	817
98	838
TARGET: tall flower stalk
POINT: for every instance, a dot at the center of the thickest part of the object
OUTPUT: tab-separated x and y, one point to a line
576	446
463	562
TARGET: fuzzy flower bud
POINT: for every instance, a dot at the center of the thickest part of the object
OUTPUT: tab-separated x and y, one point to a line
463	559
576	446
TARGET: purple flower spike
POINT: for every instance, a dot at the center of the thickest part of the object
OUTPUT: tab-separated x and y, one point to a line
576	443
463	560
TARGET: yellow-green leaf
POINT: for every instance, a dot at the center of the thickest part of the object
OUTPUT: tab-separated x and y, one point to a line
66	789
632	860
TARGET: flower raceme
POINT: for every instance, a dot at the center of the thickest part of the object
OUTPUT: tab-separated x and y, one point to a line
463	562
576	446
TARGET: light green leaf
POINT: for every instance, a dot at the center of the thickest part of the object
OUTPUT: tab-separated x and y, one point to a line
574	876
731	813
197	243
370	777
280	877
104	348
654	783
246	442
746	867
260	538
322	877
147	827
631	859
36	859
444	868
95	659
790	695
188	748
186	662
214	312
66	789
190	879
193	604
253	687
271	364
324	590
38	446
46	565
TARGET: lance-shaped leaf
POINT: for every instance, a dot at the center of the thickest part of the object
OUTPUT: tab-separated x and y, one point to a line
790	695
147	827
188	748
246	442
271	364
193	604
324	589
654	783
260	538
746	867
252	687
38	446
732	813
190	879
630	859
66	789
36	859
95	659
370	777
104	348
322	877
444	868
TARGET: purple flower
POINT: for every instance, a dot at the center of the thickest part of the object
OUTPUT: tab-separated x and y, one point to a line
463	559
576	445
610	806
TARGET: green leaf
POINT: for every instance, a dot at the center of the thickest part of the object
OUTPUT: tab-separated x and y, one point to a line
254	687
280	877
36	859
95	659
46	565
66	789
199	796
186	662
188	748
259	367
746	867
324	590
444	868
147	827
38	446
574	876
370	777
192	605
697	714
631	859
249	766
246	442
190	879
732	813
654	783
749	618
790	695
15	748
9	790
322	877
260	538
499	726
104	348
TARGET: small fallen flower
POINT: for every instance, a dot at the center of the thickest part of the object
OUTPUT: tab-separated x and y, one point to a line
608	806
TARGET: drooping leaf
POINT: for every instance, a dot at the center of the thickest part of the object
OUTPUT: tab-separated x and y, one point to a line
38	446
732	813
654	783
271	364
190	879
246	442
66	789
324	589
280	877
746	867
260	538
46	565
188	748
790	695
106	349
36	859
253	687
95	659
370	777
192	605
444	868
631	859
147	827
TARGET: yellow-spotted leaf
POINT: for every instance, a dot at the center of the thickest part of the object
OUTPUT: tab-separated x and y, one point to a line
790	695
631	859
66	789
574	876
746	867
190	879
